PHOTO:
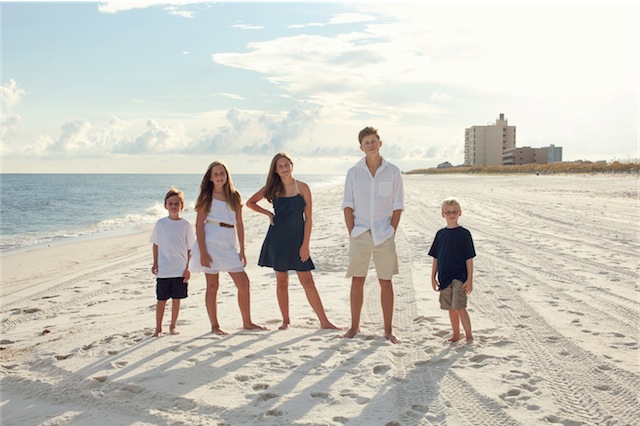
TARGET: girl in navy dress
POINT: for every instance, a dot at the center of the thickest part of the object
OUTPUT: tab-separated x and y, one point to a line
286	246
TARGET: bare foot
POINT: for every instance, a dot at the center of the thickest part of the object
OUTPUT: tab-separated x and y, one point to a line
454	339
253	326
285	325
174	331
216	330
393	339
328	326
469	340
157	333
351	332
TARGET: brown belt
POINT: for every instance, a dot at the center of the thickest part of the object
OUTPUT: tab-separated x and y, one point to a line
224	225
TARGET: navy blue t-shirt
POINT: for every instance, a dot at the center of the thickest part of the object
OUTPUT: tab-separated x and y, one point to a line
452	247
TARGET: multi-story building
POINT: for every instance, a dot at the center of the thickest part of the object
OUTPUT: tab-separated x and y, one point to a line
528	155
484	145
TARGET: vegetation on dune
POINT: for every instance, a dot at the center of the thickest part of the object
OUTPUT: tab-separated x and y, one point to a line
629	167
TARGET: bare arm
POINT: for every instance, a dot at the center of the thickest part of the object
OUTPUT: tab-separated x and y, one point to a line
305	251
252	203
349	219
187	273
395	219
205	258
434	272
154	267
240	233
468	285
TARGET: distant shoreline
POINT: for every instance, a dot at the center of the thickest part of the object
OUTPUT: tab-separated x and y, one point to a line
632	167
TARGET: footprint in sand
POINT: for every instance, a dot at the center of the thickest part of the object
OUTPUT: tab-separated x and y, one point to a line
268	395
320	395
61	357
381	369
360	400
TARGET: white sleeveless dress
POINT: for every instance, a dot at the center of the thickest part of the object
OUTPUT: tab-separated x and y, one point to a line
221	242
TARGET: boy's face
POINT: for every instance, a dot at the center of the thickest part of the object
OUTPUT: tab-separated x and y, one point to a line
370	144
173	205
451	213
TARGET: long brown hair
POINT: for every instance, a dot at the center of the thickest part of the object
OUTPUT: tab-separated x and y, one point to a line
206	190
274	187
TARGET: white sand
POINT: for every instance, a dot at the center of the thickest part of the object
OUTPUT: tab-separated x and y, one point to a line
555	310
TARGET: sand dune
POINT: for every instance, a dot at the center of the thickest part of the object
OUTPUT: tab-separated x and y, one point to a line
555	311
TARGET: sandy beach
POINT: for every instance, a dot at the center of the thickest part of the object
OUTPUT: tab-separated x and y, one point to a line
555	312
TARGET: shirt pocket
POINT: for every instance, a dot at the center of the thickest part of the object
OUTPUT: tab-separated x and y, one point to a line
385	188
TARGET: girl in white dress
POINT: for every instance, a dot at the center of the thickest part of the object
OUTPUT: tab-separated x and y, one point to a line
219	243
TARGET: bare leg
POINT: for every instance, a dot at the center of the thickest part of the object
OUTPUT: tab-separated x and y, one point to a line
175	310
211	301
241	281
159	314
282	292
466	323
455	325
387	299
306	279
357	298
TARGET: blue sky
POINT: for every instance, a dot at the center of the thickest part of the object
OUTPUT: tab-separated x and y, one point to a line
115	87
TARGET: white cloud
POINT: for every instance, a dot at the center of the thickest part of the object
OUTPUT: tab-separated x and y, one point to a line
350	18
232	96
155	140
11	95
177	8
247	27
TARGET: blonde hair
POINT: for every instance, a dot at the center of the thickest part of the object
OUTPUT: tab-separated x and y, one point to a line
206	190
451	201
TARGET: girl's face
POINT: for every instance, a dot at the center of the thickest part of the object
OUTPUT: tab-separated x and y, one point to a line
218	176
283	167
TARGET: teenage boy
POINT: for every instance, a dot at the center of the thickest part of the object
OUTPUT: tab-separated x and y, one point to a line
373	203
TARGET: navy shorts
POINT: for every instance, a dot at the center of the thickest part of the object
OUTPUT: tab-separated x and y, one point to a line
174	288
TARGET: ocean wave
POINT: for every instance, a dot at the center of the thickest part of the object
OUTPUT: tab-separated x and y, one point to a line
131	221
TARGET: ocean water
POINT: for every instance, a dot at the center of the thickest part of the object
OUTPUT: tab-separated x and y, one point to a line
38	209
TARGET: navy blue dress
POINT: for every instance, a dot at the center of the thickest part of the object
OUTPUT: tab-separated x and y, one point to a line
281	247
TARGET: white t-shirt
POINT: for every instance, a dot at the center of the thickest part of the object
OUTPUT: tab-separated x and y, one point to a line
174	239
373	199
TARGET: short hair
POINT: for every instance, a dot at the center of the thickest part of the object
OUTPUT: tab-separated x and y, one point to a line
174	191
369	130
451	201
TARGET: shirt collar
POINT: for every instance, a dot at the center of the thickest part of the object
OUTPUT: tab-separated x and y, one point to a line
363	163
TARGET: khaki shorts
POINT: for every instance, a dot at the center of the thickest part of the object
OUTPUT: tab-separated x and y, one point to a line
385	258
453	297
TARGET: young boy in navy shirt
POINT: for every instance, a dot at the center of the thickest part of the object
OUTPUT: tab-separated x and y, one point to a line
452	268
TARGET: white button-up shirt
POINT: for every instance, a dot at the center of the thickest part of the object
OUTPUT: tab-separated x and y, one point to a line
373	199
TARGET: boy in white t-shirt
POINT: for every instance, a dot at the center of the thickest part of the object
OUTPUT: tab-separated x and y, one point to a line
172	238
